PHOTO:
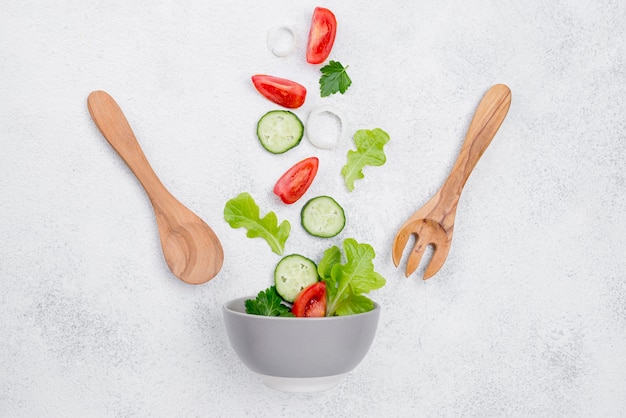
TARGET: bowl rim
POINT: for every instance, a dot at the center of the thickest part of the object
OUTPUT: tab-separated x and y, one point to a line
226	308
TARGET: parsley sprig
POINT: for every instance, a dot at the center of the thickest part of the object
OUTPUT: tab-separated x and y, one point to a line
334	79
269	303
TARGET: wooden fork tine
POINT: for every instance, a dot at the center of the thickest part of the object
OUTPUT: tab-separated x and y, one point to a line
416	256
399	244
439	256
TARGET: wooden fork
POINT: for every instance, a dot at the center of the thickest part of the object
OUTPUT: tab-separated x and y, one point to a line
433	224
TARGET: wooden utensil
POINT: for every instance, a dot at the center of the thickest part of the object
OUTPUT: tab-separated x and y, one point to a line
191	249
434	223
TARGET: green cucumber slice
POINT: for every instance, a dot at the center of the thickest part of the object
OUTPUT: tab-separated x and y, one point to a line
279	131
293	274
323	217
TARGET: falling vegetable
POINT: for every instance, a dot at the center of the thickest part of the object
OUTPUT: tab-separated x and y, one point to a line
321	35
369	151
292	185
334	79
242	211
281	91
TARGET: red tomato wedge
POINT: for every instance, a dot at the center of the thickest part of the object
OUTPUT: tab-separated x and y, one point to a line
296	181
281	91
321	35
311	302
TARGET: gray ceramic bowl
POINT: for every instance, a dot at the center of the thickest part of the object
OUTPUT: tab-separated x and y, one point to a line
299	354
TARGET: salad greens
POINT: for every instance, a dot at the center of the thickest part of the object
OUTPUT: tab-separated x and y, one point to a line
242	211
334	79
369	151
346	283
269	303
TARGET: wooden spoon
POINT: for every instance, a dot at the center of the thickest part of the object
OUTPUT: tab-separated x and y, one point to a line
191	249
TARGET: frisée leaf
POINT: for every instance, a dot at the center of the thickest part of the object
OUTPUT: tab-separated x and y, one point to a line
346	283
242	211
369	151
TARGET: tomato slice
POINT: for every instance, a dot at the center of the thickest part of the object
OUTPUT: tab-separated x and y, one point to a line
321	35
296	181
281	91
311	302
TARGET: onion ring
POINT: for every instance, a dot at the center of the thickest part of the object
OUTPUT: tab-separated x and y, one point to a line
320	137
281	40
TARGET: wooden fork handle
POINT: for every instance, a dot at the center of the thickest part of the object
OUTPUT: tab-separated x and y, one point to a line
487	119
113	125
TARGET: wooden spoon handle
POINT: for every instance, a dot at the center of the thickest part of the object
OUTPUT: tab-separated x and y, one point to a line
113	125
487	119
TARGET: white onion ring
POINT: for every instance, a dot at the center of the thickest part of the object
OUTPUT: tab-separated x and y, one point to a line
275	38
312	129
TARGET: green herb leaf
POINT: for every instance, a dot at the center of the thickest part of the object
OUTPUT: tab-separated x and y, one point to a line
334	79
242	211
346	283
268	303
369	151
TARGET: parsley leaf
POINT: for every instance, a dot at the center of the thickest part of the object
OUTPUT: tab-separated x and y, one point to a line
346	283
268	303
334	79
242	211
369	151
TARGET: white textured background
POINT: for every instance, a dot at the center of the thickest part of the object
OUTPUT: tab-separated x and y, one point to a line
528	315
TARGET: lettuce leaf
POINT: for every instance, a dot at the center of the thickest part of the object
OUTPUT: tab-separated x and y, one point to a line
346	283
242	211
331	257
369	151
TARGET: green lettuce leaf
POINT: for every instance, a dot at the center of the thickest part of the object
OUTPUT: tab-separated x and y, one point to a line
268	303
331	257
346	283
369	151
242	211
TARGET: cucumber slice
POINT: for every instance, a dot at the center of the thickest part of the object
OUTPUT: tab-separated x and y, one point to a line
323	217
293	274
279	131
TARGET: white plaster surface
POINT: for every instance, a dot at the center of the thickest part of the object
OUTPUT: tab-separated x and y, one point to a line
527	316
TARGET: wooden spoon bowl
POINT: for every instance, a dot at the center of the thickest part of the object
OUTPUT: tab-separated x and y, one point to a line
191	249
